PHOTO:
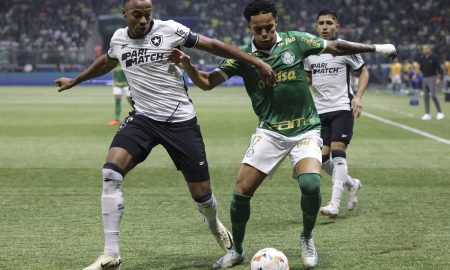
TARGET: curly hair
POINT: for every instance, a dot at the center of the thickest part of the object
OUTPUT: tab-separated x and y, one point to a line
257	7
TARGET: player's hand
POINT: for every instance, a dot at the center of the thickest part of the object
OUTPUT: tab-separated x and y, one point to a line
357	106
438	81
179	58
267	73
63	83
387	50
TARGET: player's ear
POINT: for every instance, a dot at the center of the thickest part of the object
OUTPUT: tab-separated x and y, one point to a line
123	13
338	26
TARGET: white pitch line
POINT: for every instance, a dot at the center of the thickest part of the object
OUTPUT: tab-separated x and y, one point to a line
393	110
413	130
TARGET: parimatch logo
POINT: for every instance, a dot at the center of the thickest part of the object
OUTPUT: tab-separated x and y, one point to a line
141	56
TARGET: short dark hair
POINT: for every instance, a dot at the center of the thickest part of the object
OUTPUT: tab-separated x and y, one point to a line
257	7
329	12
125	1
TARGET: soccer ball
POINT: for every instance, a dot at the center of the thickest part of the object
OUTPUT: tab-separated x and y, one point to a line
269	259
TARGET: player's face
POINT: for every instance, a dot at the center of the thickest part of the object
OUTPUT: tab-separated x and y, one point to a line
426	49
138	14
327	27
263	29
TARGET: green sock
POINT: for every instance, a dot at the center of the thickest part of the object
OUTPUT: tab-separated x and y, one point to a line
310	201
117	109
240	214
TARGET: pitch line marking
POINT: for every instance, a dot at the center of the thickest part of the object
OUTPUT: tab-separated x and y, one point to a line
413	130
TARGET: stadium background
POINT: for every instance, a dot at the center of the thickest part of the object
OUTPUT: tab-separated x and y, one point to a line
65	35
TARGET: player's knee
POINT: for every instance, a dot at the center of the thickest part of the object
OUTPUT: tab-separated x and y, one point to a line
112	178
309	183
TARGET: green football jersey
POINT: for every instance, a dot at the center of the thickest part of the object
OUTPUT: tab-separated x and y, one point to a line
119	78
288	107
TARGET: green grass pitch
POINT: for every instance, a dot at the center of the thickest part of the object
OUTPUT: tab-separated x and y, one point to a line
53	145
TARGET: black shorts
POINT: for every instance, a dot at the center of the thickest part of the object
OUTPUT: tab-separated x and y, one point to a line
183	141
336	127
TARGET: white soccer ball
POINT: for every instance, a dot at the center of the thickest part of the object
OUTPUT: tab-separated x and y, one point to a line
269	259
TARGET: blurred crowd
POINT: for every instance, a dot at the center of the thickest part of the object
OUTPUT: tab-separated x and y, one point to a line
65	24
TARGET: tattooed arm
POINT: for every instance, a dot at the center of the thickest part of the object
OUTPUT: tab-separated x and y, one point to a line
342	47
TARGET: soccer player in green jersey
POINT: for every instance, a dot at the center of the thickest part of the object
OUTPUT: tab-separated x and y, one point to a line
120	86
288	121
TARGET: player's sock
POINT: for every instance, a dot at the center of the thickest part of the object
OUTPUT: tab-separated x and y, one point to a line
310	201
327	166
117	109
339	176
240	214
113	206
207	205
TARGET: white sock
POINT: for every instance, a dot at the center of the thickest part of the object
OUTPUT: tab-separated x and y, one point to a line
113	206
209	211
339	177
327	166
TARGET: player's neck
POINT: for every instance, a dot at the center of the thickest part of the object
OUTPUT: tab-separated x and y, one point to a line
148	31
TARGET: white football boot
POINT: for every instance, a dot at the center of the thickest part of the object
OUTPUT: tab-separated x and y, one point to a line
232	258
426	117
222	236
105	261
440	116
330	210
352	198
309	253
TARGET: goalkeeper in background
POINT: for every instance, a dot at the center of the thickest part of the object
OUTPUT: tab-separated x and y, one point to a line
120	87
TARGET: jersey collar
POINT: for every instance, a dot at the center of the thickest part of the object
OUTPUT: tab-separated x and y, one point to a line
254	49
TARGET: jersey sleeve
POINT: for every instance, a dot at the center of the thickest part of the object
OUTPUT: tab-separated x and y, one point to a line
228	68
184	36
310	44
112	50
307	65
355	61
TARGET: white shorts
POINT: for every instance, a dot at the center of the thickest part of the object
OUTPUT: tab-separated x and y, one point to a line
117	91
268	149
396	79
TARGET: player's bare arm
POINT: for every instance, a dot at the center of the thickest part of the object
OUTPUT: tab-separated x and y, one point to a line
342	47
204	80
308	77
102	65
362	85
221	49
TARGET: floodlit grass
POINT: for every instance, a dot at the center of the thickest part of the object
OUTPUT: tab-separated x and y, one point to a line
53	145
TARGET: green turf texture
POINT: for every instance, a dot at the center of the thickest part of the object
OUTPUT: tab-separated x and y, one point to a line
53	145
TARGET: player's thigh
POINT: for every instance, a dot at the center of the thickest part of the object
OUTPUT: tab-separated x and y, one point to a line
184	143
248	179
325	130
306	155
135	136
342	127
266	151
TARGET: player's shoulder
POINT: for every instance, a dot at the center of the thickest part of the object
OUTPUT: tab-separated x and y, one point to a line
168	25
120	34
298	34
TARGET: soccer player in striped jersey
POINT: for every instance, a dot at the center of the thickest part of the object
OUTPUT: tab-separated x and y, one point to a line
337	105
163	115
289	124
